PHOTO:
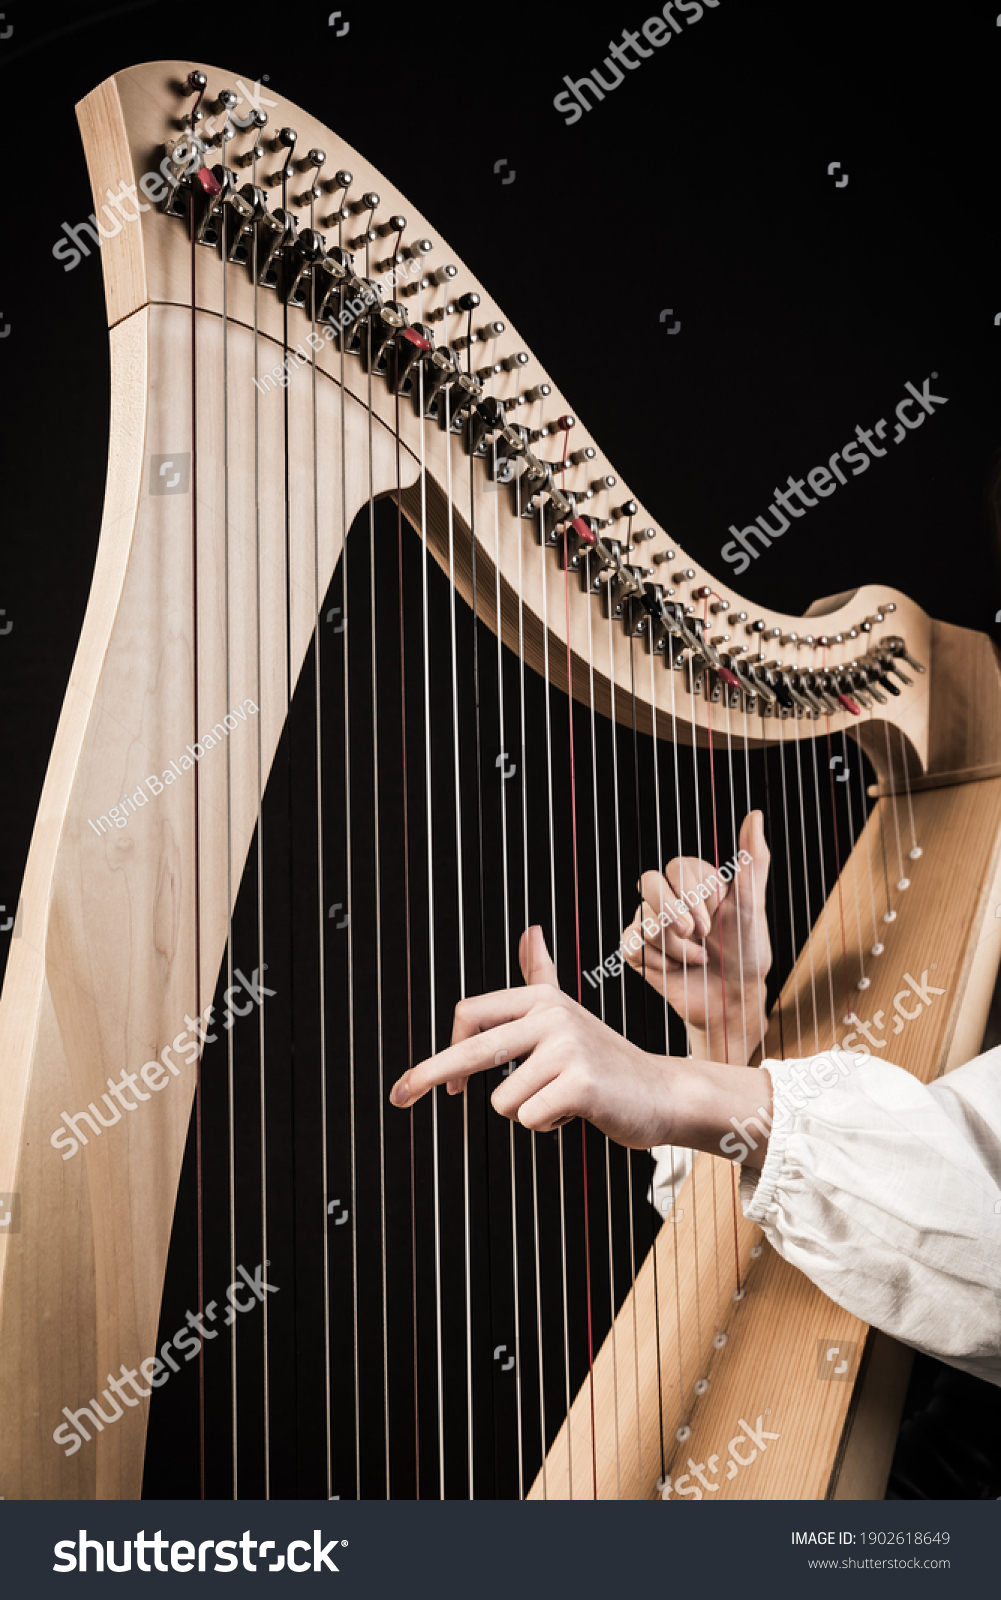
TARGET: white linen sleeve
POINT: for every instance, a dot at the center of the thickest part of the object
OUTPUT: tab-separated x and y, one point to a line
886	1193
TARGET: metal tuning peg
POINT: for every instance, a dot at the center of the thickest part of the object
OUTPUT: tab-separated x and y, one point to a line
238	220
306	251
385	323
311	162
330	275
441	369
211	188
274	228
412	345
486	417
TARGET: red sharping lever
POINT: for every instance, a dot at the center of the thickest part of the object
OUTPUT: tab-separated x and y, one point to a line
849	704
729	677
417	338
581	529
209	182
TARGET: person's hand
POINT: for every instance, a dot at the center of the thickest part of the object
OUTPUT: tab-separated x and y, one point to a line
572	1065
682	960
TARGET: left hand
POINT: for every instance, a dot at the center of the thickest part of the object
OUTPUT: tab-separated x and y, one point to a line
573	1065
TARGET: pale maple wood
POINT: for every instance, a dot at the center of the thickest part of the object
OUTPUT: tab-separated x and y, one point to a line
104	971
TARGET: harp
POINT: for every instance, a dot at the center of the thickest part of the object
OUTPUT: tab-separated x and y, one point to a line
473	1309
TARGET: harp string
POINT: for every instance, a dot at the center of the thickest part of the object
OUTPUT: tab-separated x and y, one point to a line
460	909
262	1076
722	967
863	982
289	782
576	916
405	786
667	1044
230	1061
599	903
527	921
793	941
639	863
506	911
341	456
902	881
200	1246
705	994
555	953
432	964
320	896
823	890
613	733
688	1155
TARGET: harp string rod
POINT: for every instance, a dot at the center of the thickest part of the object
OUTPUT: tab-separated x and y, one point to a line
823	891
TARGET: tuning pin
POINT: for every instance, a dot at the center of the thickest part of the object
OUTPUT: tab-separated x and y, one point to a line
312	162
665	555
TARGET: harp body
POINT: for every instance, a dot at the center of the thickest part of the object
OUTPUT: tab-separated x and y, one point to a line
111	957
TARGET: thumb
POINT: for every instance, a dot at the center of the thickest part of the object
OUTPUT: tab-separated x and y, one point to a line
752	839
536	962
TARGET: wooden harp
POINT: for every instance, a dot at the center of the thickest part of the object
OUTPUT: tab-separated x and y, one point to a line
264	397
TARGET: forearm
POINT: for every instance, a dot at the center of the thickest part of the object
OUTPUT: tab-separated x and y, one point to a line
717	1107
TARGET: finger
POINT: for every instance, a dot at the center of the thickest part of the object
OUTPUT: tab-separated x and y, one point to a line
672	939
483	1011
476	1053
553	1106
687	873
667	944
539	1069
663	902
536	962
752	839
